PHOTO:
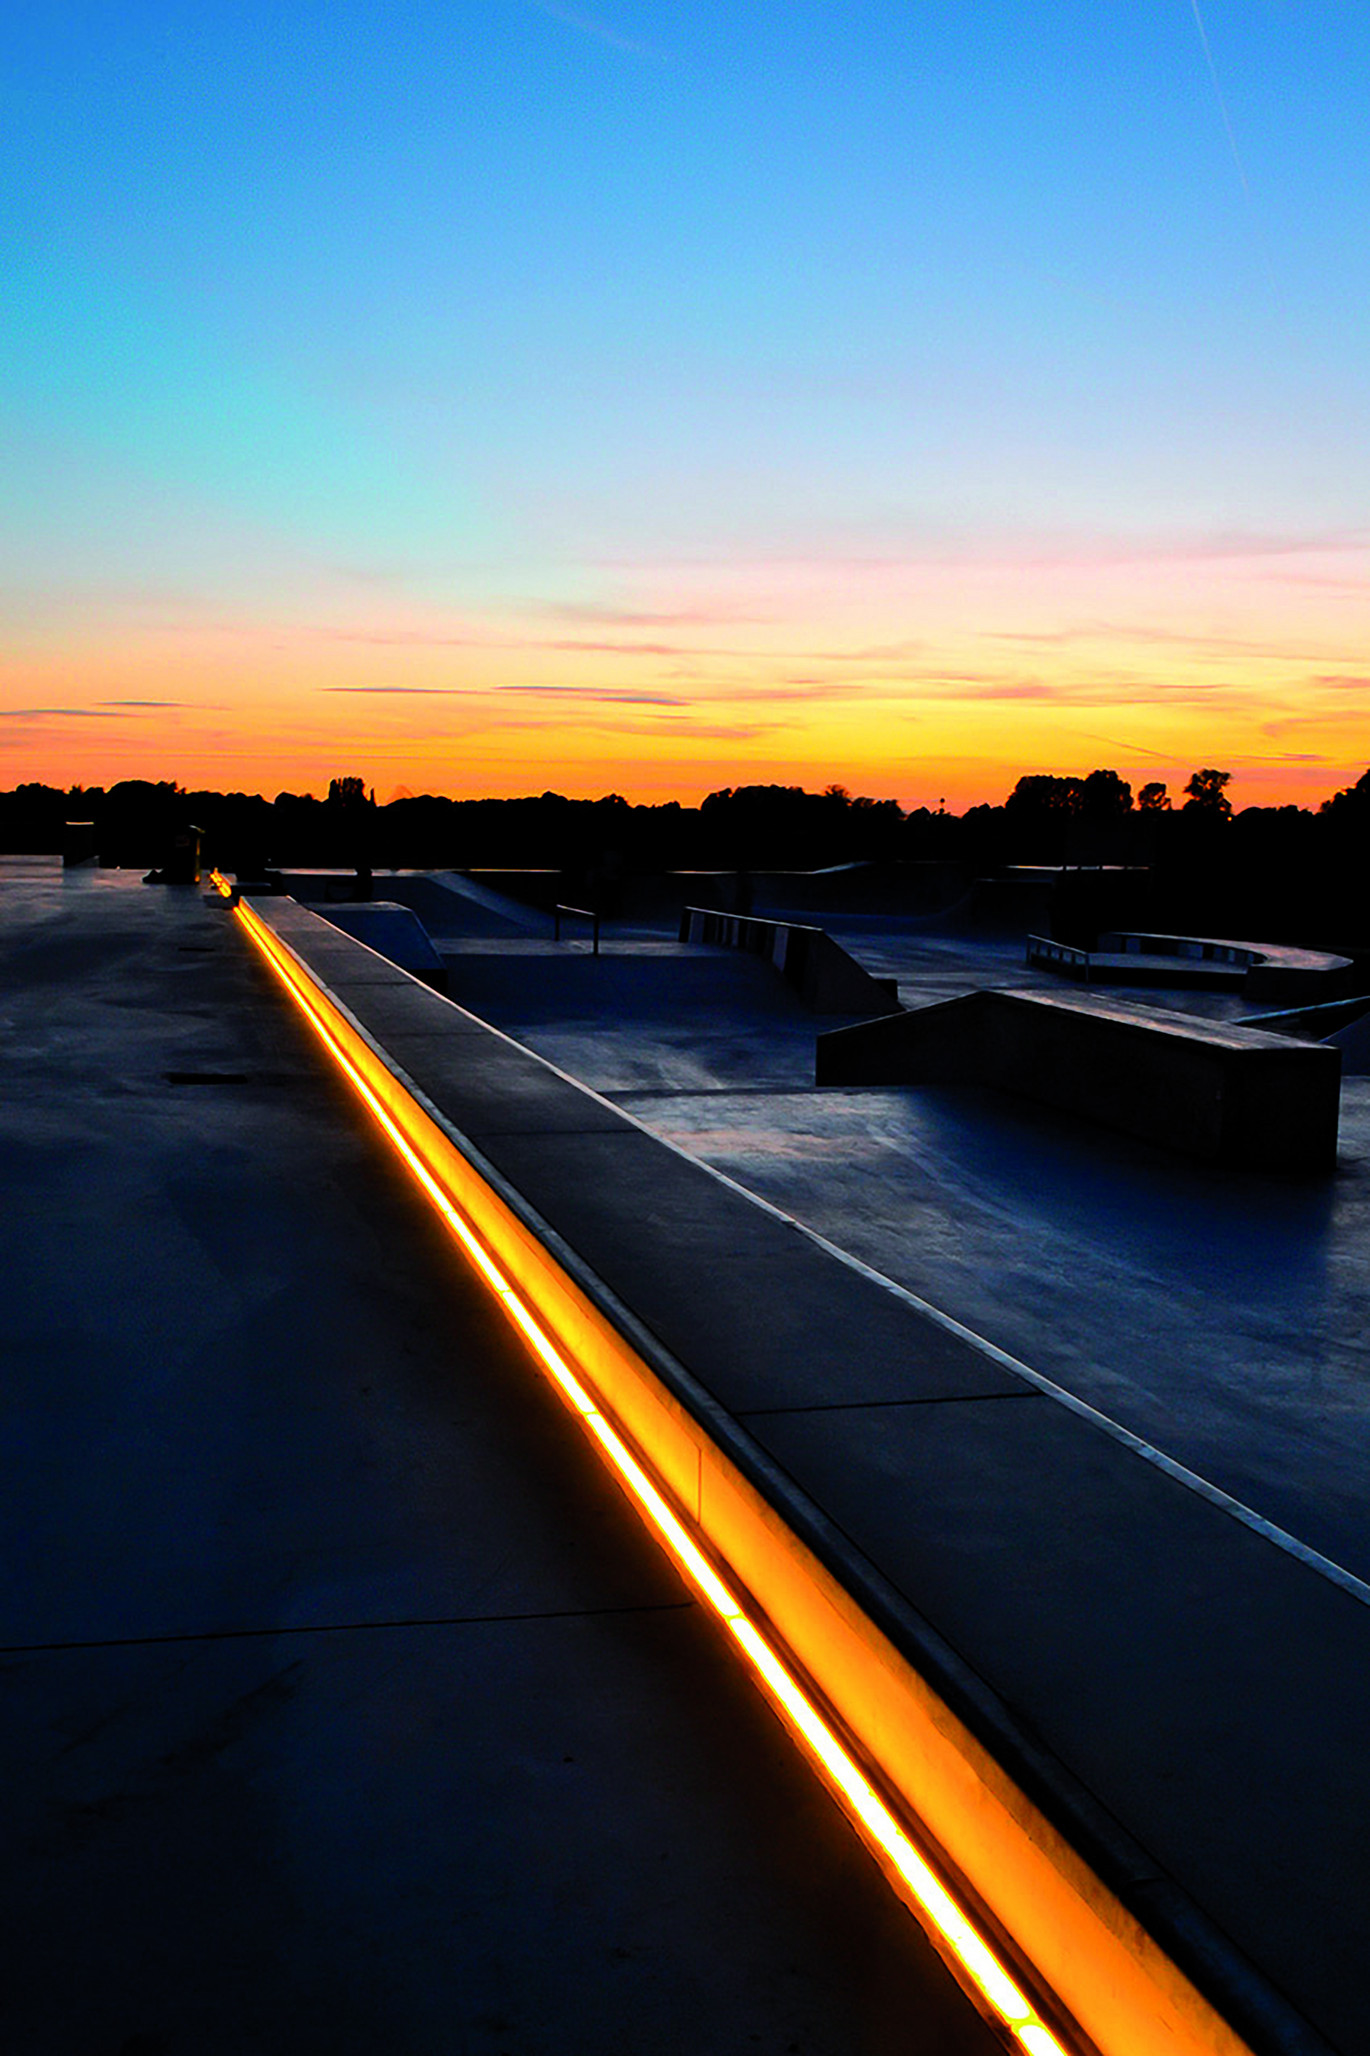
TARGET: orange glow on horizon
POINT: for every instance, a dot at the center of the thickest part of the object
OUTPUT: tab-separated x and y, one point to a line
920	681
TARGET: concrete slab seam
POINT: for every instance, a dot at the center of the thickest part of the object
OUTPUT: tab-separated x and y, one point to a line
1356	1588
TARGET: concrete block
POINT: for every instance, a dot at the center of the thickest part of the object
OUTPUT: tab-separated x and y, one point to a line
1224	1094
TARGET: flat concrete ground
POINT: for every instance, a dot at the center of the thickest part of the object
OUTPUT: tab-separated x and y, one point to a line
1220	1315
345	1705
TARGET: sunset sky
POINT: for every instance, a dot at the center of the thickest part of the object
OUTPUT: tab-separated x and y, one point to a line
650	397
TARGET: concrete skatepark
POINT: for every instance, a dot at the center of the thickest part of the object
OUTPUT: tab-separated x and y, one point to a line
1135	1701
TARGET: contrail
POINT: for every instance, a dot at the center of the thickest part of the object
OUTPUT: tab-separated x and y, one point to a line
1137	749
1222	104
590	25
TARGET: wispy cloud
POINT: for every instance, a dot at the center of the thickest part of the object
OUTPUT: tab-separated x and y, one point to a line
665	729
1206	643
581	694
590	693
1008	689
435	639
145	703
1323	717
632	649
909	548
410	638
702	616
589	25
66	713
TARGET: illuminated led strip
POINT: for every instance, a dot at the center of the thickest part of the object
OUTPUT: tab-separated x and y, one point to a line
922	1887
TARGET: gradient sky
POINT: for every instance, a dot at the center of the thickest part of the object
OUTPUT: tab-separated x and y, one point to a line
651	397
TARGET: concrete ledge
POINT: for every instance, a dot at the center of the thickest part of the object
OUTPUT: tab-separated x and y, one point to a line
1131	1719
824	975
1225	1094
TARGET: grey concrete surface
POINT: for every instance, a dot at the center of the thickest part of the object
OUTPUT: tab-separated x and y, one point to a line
1221	1315
1183	1694
345	1707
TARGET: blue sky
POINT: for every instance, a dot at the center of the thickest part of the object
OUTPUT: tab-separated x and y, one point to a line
519	304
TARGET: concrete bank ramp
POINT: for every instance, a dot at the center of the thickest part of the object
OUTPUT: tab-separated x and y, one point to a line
641	1017
397	933
447	902
1225	1094
450	904
532	981
1130	1714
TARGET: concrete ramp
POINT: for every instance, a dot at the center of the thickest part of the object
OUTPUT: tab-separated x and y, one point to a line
449	903
1225	1094
825	976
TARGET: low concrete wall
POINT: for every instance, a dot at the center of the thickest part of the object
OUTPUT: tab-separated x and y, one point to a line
1229	1095
820	970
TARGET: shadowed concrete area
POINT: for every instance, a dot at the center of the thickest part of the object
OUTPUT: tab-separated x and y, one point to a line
346	1707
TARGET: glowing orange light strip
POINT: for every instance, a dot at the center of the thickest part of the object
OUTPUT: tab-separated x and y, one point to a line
923	1888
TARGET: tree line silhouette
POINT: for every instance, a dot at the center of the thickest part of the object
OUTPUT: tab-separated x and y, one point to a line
1291	867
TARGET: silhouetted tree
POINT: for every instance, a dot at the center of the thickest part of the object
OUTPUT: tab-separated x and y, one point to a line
1153	798
1104	796
1042	792
1206	795
1351	804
